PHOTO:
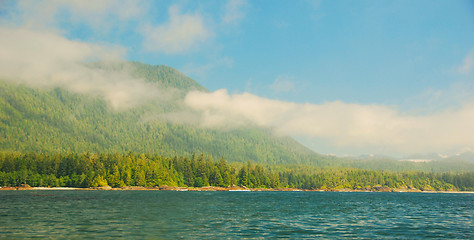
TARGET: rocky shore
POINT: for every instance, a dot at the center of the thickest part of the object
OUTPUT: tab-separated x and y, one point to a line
229	189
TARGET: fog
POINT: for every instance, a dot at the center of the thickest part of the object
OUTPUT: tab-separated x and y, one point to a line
368	127
46	60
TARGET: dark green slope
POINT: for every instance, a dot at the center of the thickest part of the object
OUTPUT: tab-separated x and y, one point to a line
56	120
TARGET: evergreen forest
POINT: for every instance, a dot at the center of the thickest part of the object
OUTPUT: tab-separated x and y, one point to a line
119	170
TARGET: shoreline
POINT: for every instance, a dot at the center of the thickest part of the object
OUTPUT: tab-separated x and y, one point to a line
220	189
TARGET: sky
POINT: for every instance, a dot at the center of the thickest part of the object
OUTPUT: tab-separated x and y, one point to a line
342	77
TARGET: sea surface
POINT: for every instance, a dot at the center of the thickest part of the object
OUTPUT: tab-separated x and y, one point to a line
76	214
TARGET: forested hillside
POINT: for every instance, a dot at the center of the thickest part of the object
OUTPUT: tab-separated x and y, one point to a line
58	121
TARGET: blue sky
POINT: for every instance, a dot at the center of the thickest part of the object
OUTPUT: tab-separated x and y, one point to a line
411	58
355	51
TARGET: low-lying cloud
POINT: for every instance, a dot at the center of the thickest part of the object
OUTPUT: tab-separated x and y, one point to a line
342	124
45	59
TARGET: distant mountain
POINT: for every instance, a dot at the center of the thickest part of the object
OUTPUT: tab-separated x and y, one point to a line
466	155
419	162
57	120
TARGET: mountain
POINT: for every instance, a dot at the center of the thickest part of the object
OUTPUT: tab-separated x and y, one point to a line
466	155
461	162
166	77
57	120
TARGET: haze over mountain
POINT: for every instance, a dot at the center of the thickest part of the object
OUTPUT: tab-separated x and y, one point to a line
466	155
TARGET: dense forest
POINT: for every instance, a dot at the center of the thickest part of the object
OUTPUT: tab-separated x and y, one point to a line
118	170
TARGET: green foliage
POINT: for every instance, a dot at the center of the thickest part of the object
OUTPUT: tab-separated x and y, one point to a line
118	170
99	181
166	76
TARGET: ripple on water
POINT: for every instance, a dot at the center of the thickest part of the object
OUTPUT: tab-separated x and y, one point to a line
160	214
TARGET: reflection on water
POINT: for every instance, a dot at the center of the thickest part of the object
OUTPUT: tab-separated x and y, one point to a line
162	214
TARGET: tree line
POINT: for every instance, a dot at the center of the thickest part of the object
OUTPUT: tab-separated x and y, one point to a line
149	170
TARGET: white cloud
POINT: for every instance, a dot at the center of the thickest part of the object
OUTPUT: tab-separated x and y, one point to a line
374	128
34	52
283	84
467	64
45	59
234	11
183	32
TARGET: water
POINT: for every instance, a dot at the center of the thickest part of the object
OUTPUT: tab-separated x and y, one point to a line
224	215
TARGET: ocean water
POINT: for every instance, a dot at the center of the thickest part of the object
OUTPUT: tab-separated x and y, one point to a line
229	215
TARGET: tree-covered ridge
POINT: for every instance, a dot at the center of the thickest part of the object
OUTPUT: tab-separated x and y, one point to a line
118	170
164	76
58	121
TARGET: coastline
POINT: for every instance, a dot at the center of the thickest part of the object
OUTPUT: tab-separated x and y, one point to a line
221	189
